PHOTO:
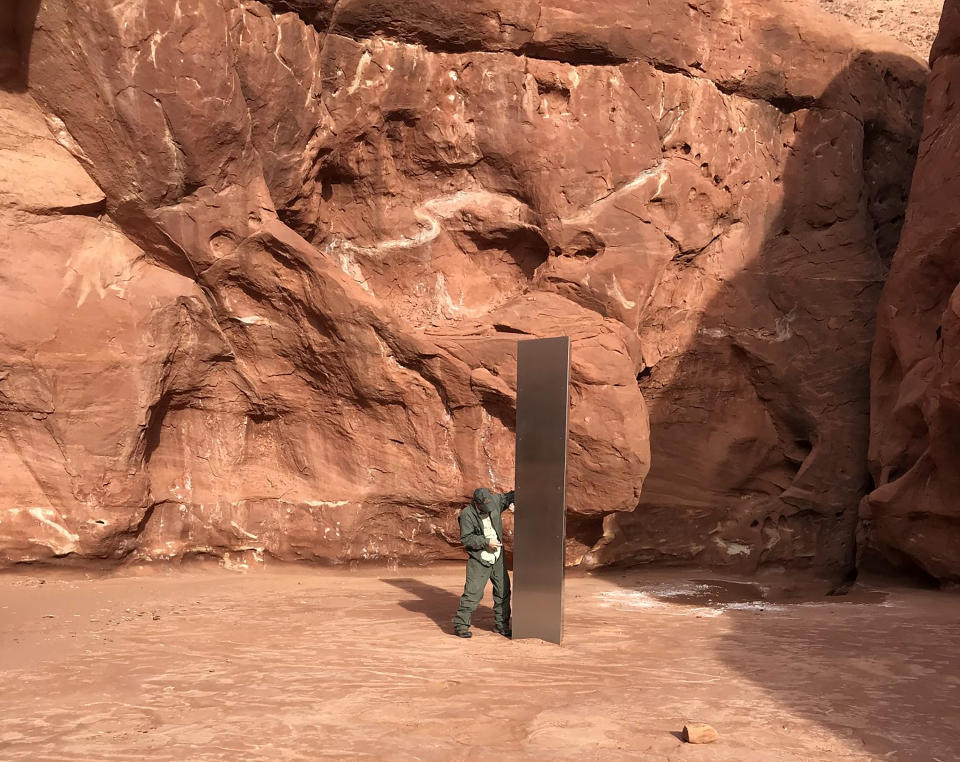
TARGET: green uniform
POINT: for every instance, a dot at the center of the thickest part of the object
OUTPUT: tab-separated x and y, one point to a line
479	570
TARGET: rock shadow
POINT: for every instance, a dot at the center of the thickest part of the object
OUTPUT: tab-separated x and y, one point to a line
16	31
760	424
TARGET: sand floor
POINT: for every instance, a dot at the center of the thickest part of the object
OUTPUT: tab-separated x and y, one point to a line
306	663
913	22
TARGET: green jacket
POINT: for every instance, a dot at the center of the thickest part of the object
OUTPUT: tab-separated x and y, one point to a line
471	525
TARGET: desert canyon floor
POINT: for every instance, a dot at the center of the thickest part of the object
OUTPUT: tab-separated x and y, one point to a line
304	663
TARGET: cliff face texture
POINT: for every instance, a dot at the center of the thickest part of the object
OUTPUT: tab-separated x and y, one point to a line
912	519
265	265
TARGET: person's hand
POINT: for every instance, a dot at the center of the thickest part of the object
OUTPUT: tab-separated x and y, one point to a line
511	507
493	545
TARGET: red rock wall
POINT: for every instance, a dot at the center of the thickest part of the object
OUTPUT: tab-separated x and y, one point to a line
273	307
912	519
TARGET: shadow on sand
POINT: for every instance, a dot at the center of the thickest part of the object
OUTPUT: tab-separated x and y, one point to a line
437	604
853	660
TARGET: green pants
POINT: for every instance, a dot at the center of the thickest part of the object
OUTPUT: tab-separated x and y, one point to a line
477	576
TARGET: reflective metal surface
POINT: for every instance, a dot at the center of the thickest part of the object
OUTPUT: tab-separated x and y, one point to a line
543	374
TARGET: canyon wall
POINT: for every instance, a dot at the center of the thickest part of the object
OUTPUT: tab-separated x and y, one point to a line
912	519
265	266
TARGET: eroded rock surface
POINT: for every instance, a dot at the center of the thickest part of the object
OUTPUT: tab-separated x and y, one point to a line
912	519
283	287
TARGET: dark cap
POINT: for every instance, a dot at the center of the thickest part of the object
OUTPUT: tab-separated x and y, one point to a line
483	499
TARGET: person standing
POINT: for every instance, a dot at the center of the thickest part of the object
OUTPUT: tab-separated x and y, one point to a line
481	532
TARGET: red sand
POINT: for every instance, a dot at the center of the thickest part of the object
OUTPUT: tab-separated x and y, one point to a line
302	663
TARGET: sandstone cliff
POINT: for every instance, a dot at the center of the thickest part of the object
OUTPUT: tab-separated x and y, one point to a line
265	265
912	519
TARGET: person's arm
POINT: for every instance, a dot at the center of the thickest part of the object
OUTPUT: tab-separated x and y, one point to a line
505	499
471	539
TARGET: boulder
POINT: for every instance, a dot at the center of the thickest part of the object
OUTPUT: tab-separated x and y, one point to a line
699	732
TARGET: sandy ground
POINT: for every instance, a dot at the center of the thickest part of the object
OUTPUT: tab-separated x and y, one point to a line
303	663
913	22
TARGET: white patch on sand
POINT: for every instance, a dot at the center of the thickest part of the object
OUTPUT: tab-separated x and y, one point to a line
659	597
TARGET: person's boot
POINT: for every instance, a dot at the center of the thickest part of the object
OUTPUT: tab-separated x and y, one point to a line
461	632
502	629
